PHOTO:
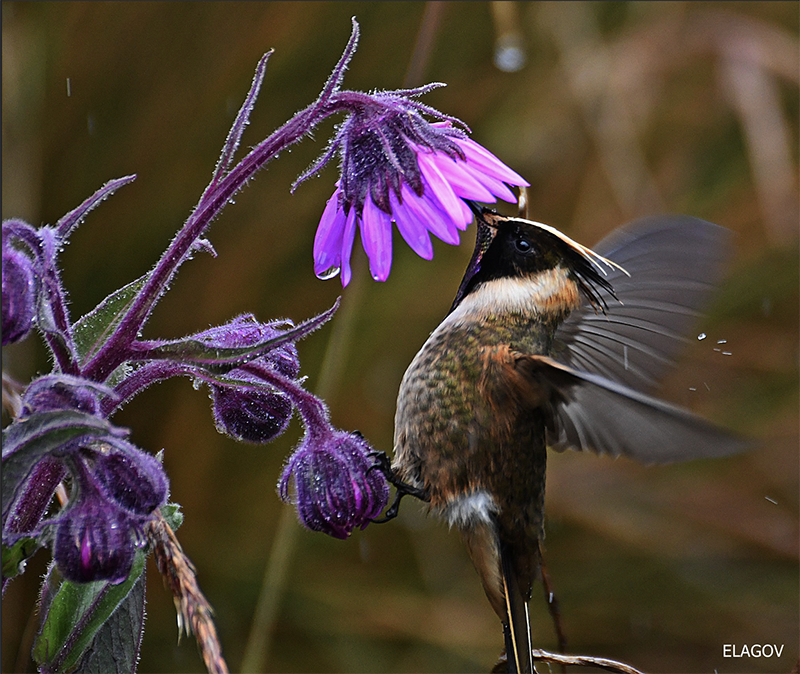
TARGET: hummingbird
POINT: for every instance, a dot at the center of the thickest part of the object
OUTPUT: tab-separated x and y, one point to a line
549	344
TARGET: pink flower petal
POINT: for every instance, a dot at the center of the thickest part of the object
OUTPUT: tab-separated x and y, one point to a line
460	179
426	212
497	187
376	235
466	216
411	229
438	188
328	239
348	239
487	163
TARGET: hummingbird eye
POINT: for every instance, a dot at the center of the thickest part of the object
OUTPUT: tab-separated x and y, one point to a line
523	245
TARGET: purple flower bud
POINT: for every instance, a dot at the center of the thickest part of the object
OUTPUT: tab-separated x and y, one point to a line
245	330
19	295
95	539
252	415
93	544
59	392
333	487
134	479
396	166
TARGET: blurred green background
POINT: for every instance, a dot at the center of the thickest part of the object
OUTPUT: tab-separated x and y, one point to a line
619	110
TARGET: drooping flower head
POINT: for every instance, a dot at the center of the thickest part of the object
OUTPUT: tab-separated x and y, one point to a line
116	491
331	483
398	167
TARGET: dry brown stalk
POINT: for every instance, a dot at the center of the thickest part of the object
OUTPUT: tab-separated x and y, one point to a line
195	615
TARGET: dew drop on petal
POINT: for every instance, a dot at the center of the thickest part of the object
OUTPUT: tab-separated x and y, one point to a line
329	273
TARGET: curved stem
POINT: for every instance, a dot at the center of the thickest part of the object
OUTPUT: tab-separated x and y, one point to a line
214	199
115	350
312	410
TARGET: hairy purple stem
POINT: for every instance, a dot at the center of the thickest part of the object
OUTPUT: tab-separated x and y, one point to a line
214	199
312	410
35	498
116	349
139	380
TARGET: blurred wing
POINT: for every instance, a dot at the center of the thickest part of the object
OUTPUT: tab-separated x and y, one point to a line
674	264
590	412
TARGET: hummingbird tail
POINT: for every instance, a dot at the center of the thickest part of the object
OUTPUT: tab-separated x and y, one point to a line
517	629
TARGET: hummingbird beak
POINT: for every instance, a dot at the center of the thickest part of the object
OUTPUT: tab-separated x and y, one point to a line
487	231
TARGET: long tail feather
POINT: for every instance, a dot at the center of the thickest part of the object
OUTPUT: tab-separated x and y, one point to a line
518	628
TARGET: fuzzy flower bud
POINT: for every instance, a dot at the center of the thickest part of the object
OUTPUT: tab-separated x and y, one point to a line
260	414
59	392
332	485
19	295
256	416
133	479
95	540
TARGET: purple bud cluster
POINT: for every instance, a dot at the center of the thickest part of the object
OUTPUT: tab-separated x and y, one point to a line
261	413
115	492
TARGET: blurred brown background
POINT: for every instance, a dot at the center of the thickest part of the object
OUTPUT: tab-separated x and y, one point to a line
620	110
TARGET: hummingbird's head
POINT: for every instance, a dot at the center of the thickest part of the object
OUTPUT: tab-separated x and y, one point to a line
524	265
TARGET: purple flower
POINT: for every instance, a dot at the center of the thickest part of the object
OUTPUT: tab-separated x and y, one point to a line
332	486
397	167
133	479
19	296
96	539
255	412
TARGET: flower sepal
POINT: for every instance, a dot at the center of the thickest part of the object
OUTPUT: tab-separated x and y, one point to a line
55	392
84	610
213	349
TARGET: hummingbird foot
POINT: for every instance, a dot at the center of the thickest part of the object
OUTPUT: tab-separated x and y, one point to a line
383	464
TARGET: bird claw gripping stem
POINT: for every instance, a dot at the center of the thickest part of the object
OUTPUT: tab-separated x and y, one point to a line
402	489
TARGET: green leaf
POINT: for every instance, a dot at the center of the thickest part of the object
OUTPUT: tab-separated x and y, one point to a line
26	441
76	615
93	329
173	515
16	556
116	646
